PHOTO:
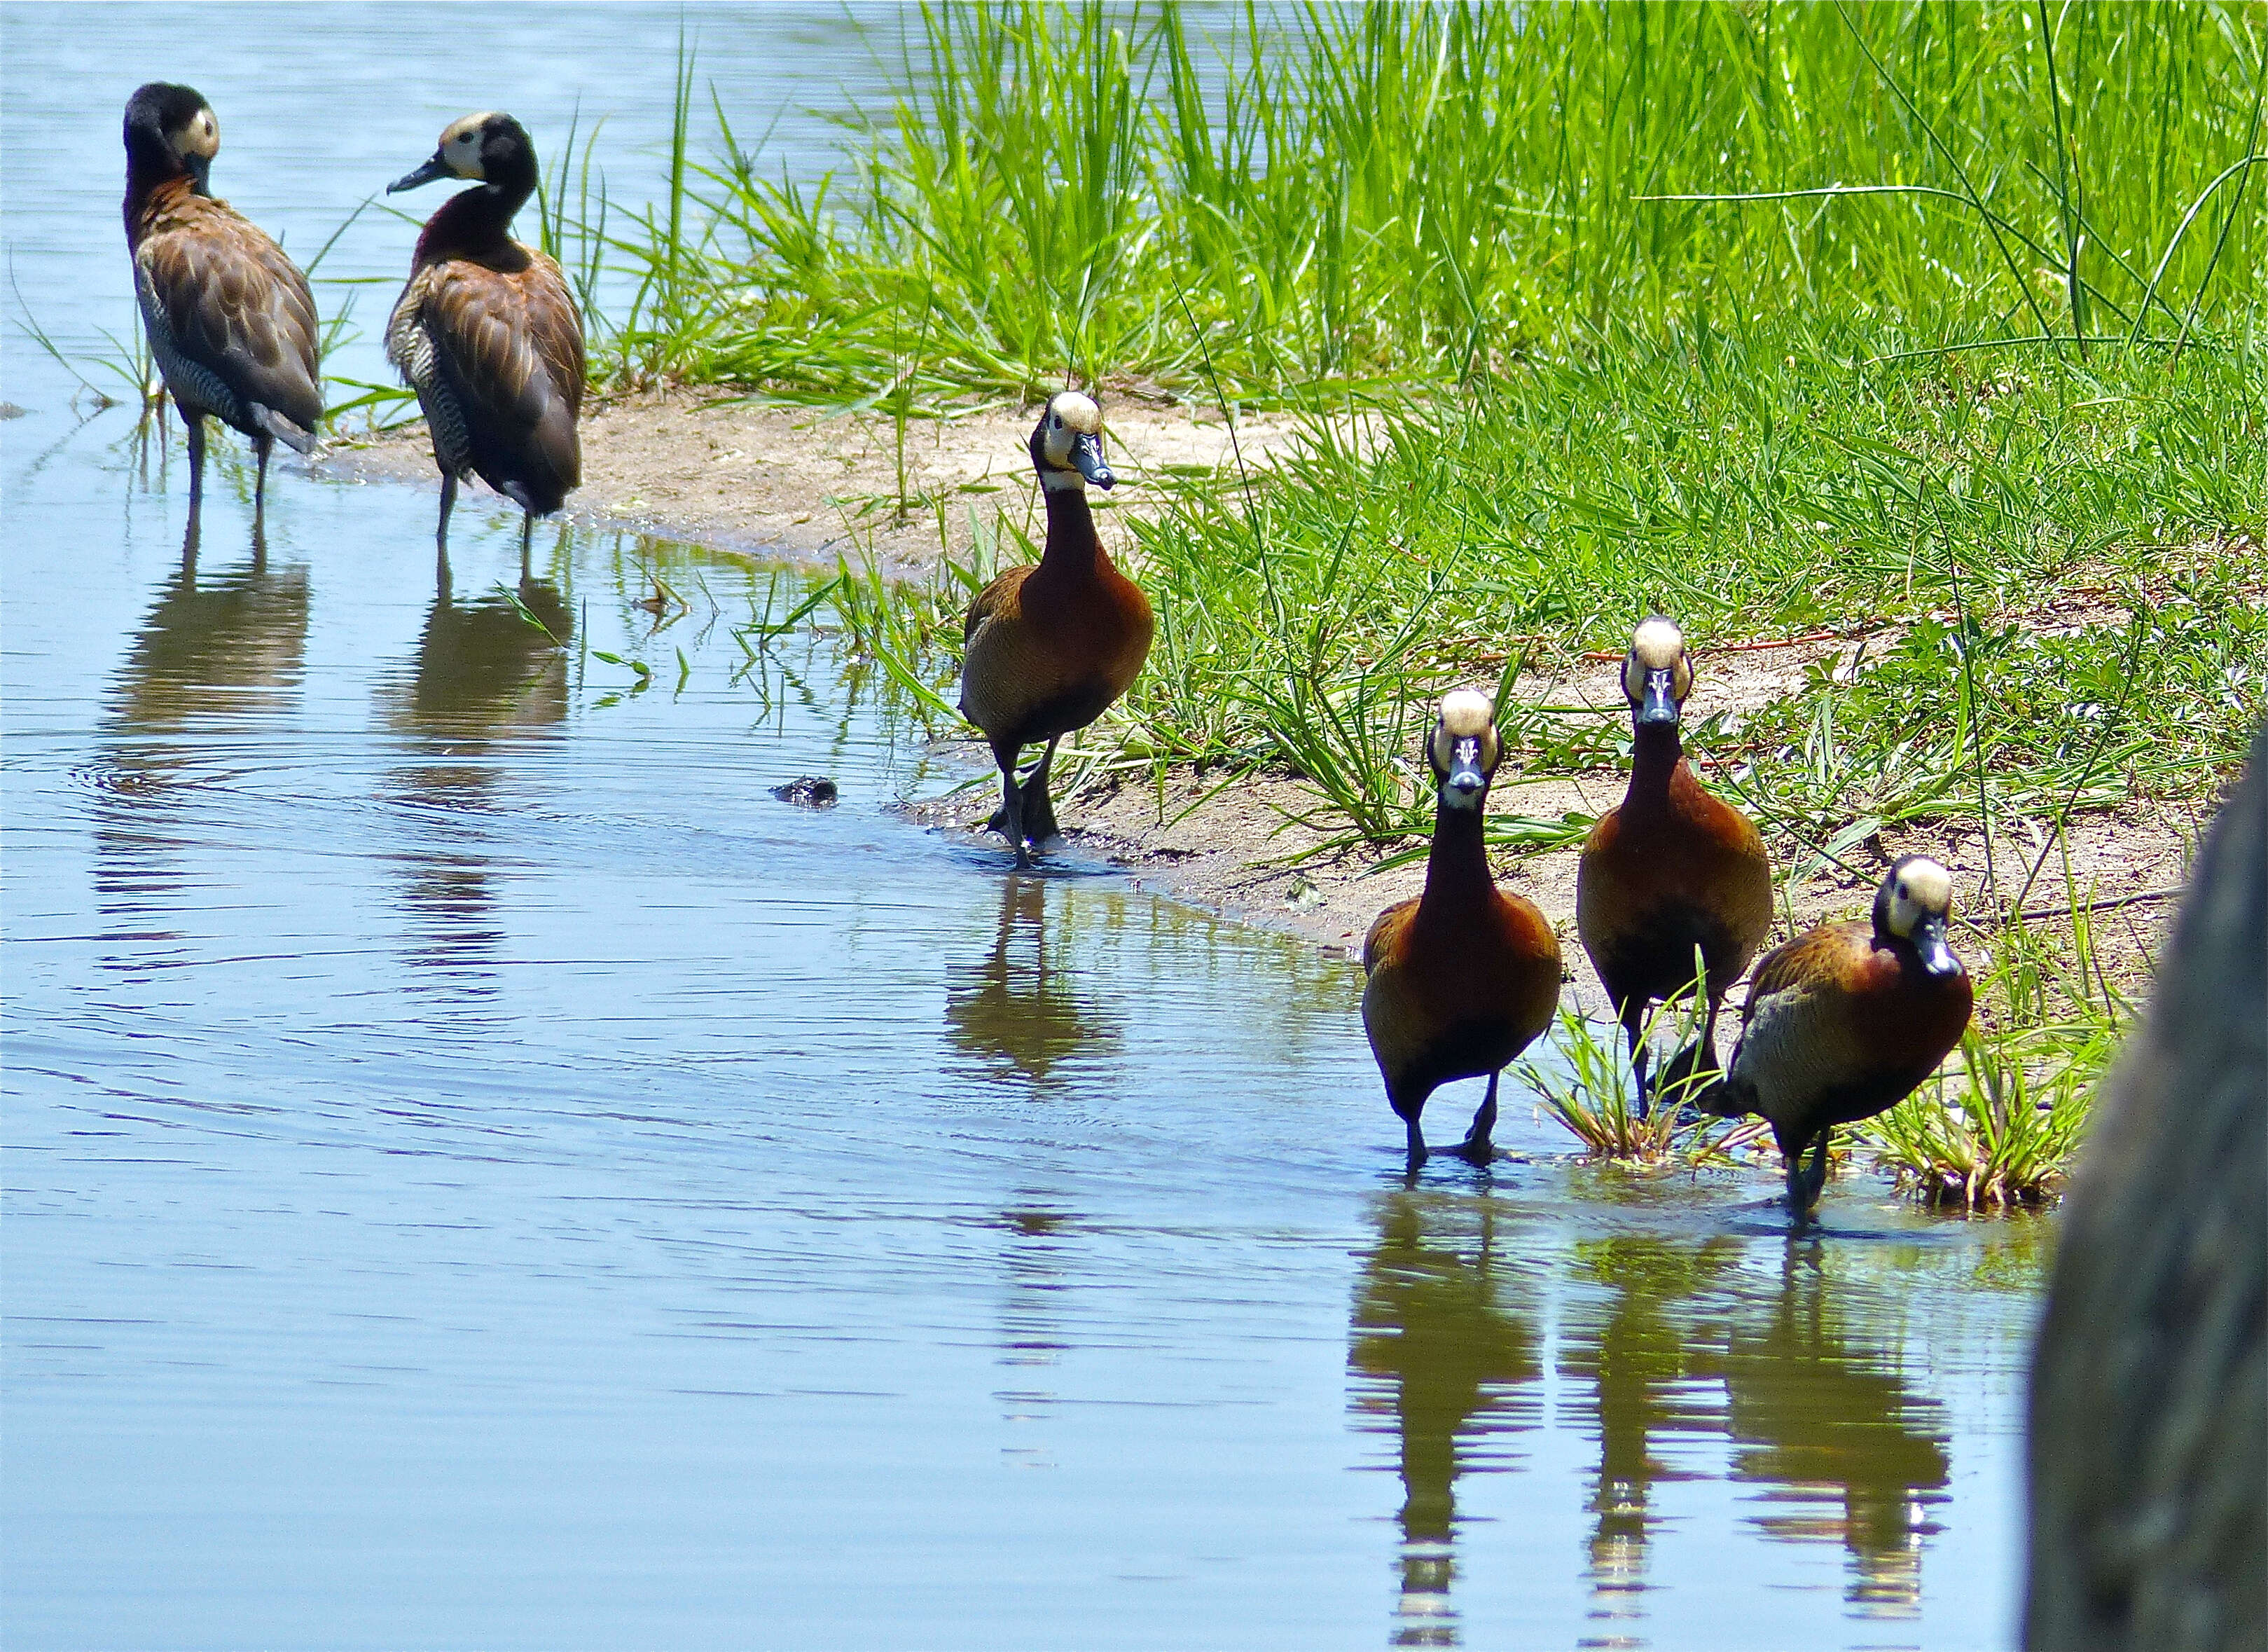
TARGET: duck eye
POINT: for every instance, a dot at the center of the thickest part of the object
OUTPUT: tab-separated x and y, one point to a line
1903	894
1056	420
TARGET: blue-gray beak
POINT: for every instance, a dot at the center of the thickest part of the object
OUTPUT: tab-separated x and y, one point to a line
199	171
1465	783
434	168
1086	453
1656	705
1929	946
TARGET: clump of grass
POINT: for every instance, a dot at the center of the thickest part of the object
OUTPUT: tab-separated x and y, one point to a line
1596	1098
1989	1130
1998	1126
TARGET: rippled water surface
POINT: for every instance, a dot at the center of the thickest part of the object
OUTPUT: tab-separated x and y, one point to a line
482	1172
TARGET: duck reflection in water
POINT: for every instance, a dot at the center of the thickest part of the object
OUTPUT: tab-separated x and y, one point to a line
1035	1257
1438	1357
217	657
485	673
1646	1366
1822	1422
1021	1011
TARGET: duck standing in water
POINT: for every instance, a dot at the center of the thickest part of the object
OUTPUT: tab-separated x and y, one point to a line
1464	976
486	331
1050	644
1670	870
231	322
1845	1021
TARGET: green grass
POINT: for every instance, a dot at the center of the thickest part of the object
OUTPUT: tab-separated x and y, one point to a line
1310	201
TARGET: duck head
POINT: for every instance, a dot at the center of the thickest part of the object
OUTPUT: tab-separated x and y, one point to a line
1464	749
1913	906
486	148
170	132
1656	674
1067	444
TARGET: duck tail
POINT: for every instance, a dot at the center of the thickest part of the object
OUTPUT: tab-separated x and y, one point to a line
284	430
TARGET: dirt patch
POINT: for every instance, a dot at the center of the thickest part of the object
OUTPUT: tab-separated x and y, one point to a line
811	485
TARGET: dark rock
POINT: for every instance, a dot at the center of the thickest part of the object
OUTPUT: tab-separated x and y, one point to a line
808	791
2149	1398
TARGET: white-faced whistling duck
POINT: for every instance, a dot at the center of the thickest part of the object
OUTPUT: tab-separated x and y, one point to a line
1051	644
1846	1020
1670	870
231	321
486	330
1464	977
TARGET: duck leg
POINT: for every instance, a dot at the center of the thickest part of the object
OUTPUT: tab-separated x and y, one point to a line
1008	819
1477	1147
526	543
1814	1177
263	445
194	423
1039	812
1417	1145
1634	1029
448	504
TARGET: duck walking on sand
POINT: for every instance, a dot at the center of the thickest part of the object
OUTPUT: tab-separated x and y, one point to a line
1671	870
1050	644
486	331
1845	1021
231	321
1464	976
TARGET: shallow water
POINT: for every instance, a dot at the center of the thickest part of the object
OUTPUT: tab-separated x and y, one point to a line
482	1172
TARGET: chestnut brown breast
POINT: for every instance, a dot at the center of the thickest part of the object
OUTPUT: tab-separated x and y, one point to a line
1662	874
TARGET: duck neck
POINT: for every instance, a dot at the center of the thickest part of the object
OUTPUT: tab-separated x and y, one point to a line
154	179
1073	547
1655	752
1456	870
477	219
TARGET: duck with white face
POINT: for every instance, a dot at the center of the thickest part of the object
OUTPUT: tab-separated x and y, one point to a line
1671	875
230	320
487	333
1047	647
1466	975
1846	1021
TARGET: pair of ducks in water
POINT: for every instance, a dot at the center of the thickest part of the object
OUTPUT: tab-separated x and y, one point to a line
485	331
1839	1024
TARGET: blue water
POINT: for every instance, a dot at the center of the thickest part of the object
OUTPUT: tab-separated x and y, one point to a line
482	1172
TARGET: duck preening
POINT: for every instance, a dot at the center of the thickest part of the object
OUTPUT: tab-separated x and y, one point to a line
231	322
1053	643
1464	977
1669	872
486	331
1846	1021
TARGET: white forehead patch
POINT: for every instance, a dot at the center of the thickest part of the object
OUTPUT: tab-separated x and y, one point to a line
1077	412
1927	885
1466	714
1657	645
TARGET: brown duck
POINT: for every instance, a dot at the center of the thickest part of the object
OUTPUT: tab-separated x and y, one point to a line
1464	977
1845	1021
1053	643
487	332
1670	870
231	321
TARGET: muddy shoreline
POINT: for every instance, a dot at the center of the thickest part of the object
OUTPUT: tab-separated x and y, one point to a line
801	485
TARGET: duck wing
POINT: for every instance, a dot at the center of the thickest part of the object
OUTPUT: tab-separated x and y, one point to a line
232	320
501	351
